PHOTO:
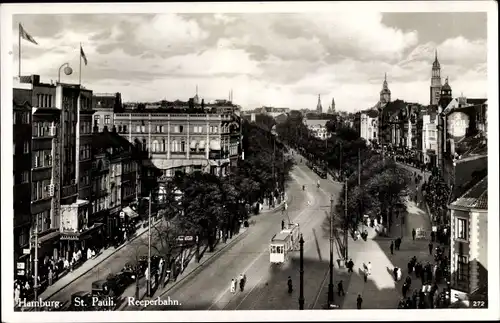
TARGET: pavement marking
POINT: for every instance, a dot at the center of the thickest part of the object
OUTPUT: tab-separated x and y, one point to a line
322	285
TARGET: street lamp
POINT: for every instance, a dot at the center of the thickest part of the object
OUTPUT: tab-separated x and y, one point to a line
67	70
301	295
148	278
330	285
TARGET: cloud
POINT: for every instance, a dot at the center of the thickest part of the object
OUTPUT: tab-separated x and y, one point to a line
267	59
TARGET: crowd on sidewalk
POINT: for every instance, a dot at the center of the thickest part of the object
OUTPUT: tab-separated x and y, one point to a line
49	271
436	194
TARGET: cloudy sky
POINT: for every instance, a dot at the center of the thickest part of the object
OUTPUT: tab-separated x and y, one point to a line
273	59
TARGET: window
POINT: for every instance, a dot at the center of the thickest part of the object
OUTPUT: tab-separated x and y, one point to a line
211	129
143	128
462	229
183	146
97	119
42	221
138	129
26	147
181	129
462	268
25	177
124	128
107	119
215	129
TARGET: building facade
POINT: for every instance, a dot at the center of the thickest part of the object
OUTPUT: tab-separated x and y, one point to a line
429	136
368	126
104	105
469	243
22	124
206	141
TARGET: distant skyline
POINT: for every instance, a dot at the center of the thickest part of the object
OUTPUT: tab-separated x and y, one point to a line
281	60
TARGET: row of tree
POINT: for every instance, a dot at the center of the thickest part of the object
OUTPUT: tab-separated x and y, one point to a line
375	186
207	206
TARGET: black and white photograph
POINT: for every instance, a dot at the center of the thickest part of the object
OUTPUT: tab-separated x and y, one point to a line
288	159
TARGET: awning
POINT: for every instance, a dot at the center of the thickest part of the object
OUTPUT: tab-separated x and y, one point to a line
76	236
193	144
201	145
214	145
48	236
128	211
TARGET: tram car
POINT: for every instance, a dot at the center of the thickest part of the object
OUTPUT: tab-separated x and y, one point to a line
284	242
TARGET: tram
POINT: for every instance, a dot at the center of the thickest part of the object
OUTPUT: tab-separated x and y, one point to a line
284	242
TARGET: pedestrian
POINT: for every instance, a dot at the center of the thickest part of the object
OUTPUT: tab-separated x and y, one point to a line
17	295
290	286
398	243
405	289
242	282
433	236
359	301
365	275
369	268
50	276
408	281
350	266
233	286
413	233
282	224
392	247
395	272
340	288
430	248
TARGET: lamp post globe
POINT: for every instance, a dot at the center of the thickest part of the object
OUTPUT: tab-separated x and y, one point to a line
68	70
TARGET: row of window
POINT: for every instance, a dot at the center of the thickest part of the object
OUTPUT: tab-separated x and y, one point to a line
41	158
173	129
41	129
99	204
100	183
40	190
128	189
22	177
26	147
21	117
85	151
107	119
85	127
44	100
42	221
85	178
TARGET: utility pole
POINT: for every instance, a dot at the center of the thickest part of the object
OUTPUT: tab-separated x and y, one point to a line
359	185
35	286
346	228
301	296
340	163
149	247
330	285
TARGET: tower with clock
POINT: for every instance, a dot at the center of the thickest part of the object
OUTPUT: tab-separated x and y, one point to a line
385	93
435	88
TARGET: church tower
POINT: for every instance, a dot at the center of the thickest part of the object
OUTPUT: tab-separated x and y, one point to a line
333	105
445	97
385	94
319	108
435	82
196	98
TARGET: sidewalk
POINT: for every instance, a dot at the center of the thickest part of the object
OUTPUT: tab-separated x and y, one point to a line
86	267
190	269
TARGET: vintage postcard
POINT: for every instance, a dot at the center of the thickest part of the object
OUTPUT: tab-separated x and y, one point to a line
249	161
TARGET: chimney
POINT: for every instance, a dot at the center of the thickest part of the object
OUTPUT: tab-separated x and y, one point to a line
95	128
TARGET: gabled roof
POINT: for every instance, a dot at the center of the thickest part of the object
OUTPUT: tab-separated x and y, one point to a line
475	198
22	96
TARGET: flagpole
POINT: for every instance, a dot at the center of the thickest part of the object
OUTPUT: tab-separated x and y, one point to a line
80	73
19	52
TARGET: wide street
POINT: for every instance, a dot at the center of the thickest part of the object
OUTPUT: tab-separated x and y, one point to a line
266	286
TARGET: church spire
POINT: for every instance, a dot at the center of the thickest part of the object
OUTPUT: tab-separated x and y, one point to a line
319	108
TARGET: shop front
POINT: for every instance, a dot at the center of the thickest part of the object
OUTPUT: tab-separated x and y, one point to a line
86	238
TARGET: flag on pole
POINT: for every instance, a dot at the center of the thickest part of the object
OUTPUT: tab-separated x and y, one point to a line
24	35
82	54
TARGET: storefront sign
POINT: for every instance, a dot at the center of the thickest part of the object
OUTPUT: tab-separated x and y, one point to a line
70	237
26	251
20	265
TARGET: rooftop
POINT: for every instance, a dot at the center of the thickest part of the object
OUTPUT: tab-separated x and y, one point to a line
475	198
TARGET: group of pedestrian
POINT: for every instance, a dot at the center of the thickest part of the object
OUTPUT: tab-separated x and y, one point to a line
241	280
395	245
